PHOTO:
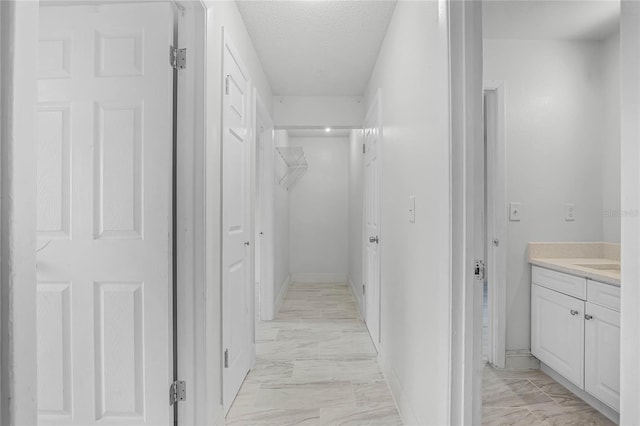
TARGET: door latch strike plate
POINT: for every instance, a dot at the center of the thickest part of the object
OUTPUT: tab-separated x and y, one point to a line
479	270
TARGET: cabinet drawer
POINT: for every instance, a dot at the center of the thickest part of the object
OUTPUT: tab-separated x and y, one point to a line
564	283
603	294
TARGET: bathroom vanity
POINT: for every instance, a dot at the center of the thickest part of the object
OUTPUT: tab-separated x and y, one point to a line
575	315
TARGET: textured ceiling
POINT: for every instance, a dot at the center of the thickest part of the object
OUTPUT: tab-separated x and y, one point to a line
540	19
317	48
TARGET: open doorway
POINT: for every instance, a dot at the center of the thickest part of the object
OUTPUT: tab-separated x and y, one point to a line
553	93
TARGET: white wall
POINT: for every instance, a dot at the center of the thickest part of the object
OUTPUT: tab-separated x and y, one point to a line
554	137
220	14
630	135
611	141
319	212
282	269
412	73
356	204
318	111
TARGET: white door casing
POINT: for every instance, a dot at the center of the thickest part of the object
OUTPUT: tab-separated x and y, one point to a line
266	183
496	196
237	280
104	125
372	247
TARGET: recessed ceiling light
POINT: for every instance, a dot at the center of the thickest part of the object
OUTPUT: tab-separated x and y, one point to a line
328	129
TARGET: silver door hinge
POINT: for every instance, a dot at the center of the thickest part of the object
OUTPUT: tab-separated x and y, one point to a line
226	84
364	149
226	358
364	289
479	270
178	58
177	392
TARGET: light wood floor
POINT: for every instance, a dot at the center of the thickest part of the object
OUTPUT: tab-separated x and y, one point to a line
316	365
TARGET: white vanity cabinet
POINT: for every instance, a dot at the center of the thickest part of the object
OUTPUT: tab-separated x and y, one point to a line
557	332
575	330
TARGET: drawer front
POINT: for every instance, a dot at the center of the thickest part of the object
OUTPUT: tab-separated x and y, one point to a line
564	283
603	294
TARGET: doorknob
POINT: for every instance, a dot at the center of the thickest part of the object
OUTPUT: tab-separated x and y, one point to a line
374	240
247	243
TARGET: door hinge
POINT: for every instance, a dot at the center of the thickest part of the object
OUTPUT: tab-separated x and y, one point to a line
364	148
178	58
364	289
226	84
226	358
177	392
479	270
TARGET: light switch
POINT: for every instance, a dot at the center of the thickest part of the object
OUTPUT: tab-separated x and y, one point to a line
515	211
412	209
570	212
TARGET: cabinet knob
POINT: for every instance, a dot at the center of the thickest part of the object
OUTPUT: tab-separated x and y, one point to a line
588	317
574	312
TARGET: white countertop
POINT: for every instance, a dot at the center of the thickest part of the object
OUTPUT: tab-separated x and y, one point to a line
596	261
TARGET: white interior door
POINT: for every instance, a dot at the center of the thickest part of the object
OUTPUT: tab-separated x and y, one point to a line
372	135
237	286
104	125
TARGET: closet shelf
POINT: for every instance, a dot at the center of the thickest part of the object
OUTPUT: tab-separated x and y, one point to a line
294	165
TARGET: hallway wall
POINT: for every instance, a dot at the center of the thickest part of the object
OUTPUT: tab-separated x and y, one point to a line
319	206
412	74
356	204
282	267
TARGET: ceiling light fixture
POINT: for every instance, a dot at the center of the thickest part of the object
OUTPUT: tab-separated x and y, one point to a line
327	129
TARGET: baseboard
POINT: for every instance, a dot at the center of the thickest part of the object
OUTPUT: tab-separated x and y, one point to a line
404	407
521	360
218	418
281	294
318	278
354	292
607	411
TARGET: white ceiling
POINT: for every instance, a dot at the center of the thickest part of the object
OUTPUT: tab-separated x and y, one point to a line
318	133
542	19
317	48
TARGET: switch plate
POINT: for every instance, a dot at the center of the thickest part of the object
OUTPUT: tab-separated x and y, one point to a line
412	209
569	212
515	211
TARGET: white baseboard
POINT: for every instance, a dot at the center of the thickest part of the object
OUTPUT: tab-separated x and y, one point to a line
219	417
358	299
404	407
281	294
319	278
521	360
607	411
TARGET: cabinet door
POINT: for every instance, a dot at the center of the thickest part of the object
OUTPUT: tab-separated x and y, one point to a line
602	354
557	332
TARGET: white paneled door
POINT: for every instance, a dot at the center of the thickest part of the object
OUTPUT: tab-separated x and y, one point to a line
104	125
372	221
237	286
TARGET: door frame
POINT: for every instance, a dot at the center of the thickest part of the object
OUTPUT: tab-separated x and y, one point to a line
20	29
496	192
266	211
375	108
467	153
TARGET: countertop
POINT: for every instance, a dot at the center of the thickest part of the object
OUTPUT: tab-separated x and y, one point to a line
596	261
